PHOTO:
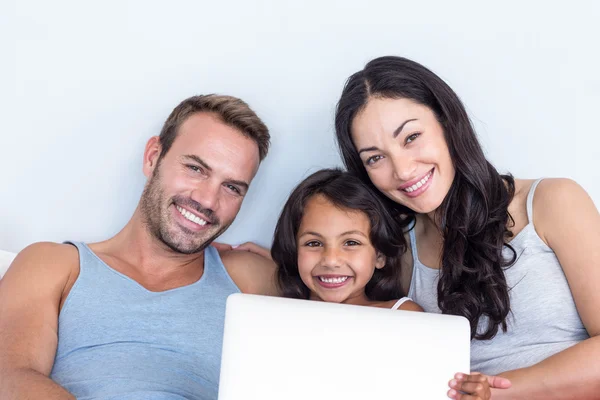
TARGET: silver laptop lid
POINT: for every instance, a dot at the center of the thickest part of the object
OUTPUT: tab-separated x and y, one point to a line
287	349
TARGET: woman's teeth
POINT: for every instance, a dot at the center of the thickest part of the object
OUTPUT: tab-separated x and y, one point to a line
333	280
188	215
419	184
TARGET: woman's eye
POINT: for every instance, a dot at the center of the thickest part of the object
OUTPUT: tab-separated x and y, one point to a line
373	159
313	243
351	243
412	137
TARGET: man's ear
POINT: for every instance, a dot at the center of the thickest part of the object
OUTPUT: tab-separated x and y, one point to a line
380	262
151	155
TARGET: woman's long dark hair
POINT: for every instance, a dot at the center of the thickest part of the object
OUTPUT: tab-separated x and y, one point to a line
474	214
345	191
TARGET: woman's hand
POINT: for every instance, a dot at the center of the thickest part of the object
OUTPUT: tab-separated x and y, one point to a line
475	386
248	246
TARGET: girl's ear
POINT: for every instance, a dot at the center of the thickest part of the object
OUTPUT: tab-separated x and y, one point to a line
380	262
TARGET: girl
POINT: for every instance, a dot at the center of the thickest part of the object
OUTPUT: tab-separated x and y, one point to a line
335	241
524	270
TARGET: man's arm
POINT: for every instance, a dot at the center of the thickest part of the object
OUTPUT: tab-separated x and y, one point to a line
251	272
30	299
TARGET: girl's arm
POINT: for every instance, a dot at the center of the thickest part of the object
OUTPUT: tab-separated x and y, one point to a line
567	220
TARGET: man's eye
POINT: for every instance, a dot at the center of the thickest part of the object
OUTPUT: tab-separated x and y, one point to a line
412	137
234	189
195	168
373	159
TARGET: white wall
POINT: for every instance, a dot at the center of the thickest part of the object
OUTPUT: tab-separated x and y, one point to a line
84	84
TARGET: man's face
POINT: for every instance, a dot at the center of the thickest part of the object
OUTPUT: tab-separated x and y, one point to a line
195	192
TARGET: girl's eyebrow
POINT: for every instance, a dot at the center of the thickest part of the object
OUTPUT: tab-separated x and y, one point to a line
310	233
354	232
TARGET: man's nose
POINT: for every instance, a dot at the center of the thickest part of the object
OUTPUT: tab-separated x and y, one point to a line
207	195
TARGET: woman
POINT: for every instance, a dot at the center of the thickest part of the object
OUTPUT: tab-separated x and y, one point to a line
519	258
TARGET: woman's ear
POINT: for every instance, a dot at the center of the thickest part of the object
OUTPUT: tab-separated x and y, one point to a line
380	262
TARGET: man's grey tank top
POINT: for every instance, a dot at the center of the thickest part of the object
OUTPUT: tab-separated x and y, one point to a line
543	319
118	340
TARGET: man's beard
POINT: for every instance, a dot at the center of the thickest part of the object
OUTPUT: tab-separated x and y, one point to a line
157	219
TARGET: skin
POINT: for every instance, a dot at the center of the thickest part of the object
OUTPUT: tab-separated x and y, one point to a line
334	243
207	171
564	217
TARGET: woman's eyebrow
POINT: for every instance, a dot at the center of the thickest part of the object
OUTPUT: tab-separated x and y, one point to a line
399	129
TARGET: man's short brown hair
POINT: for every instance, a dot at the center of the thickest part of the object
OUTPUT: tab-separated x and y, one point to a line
231	110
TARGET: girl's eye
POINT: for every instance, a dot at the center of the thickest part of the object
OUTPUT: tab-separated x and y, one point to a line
373	159
313	243
412	137
351	243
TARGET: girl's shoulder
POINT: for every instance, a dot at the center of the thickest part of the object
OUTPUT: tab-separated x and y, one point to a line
407	305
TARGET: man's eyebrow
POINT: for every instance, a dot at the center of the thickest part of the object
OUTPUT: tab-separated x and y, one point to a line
192	157
195	158
242	184
399	129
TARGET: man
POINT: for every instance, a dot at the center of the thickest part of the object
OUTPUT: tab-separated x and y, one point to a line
140	315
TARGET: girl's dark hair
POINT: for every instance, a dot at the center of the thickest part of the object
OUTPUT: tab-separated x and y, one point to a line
474	215
345	191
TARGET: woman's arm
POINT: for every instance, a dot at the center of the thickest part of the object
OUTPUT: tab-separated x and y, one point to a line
567	220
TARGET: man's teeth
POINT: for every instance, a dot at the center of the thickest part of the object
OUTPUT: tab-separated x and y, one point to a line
191	217
339	279
418	184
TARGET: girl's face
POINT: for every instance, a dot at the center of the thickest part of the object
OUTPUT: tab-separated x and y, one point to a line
402	146
336	259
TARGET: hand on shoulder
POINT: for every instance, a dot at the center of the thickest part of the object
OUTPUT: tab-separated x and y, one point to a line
251	272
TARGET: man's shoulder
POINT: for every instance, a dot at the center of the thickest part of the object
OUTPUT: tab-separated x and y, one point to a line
42	268
43	255
250	272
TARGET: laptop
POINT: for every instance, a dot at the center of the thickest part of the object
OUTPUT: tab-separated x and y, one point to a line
277	348
289	349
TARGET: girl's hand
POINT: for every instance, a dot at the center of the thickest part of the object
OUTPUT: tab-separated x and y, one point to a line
475	386
248	246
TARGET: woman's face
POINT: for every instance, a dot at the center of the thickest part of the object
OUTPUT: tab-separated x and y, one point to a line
402	146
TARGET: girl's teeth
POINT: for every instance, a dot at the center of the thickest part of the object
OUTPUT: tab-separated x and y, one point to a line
333	280
189	216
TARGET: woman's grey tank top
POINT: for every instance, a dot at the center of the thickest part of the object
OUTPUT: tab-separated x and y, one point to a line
543	319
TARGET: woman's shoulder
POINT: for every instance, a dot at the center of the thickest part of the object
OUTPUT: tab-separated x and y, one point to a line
553	199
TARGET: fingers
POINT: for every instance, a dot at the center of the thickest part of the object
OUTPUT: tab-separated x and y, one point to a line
254	248
453	394
221	246
469	387
498	382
